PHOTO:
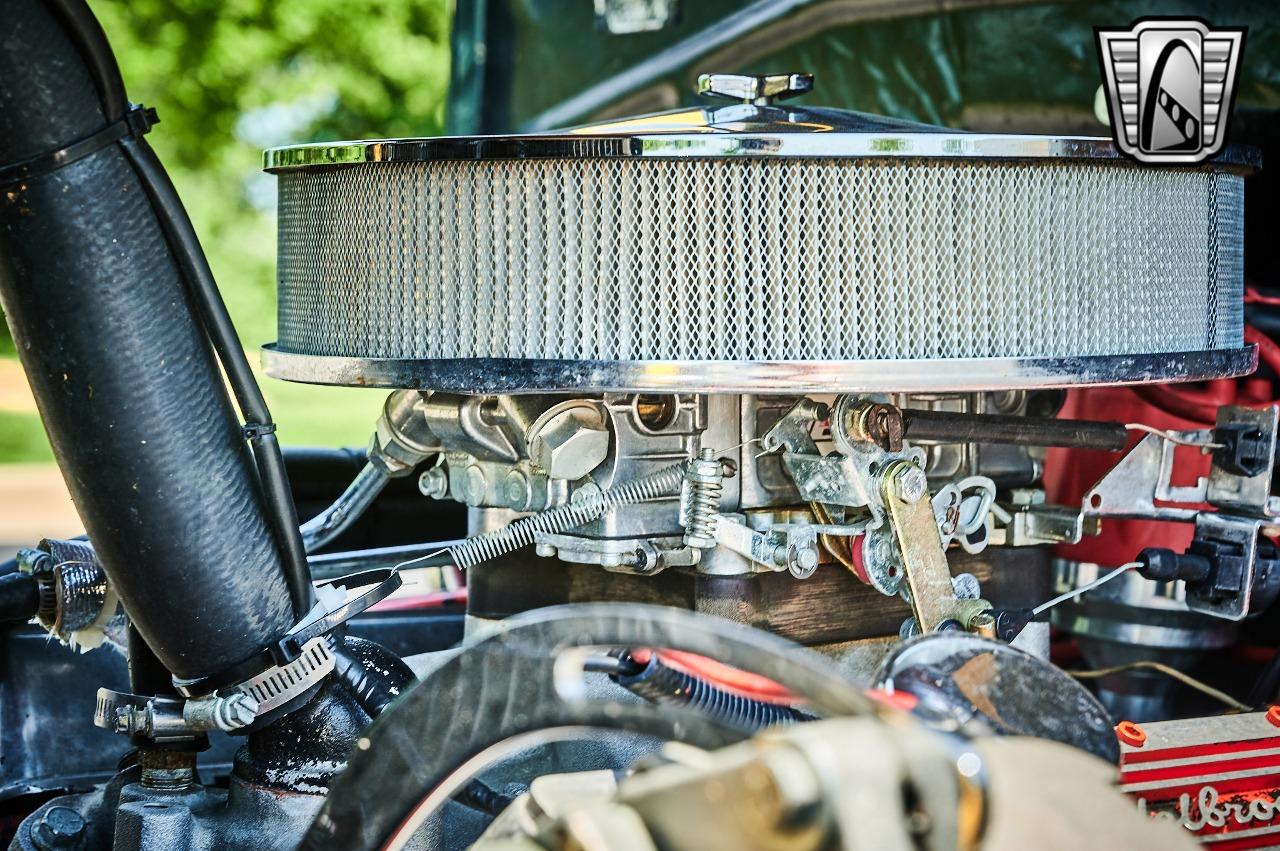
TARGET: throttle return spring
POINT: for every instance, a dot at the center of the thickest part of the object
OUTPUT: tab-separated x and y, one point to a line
588	503
705	477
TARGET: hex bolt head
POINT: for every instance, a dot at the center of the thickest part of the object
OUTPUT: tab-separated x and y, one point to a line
911	483
570	444
434	483
59	829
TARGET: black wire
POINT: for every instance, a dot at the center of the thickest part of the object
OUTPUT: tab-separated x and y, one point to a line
658	683
483	798
185	247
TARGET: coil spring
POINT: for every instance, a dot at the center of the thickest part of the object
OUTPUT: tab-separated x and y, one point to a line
706	482
588	504
658	683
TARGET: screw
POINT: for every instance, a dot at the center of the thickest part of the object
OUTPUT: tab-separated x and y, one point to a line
911	483
59	829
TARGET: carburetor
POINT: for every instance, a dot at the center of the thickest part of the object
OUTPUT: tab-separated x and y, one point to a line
751	338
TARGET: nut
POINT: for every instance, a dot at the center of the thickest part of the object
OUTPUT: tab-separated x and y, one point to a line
571	443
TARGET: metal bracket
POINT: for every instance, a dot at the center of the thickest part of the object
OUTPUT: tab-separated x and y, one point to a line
846	477
784	546
1132	487
933	598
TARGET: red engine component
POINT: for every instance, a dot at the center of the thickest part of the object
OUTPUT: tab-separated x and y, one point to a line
1219	776
1069	473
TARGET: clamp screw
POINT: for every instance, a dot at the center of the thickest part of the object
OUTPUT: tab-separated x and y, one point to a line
911	483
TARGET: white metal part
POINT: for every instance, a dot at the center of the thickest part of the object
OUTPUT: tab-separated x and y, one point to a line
278	685
687	263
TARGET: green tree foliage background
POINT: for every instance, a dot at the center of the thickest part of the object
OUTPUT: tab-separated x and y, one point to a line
231	77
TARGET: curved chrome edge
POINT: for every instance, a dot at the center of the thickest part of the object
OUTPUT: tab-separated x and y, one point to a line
512	375
1236	158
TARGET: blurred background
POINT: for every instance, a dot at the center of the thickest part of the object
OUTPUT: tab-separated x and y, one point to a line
230	78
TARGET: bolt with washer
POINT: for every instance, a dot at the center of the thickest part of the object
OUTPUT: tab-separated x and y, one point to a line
911	483
802	561
434	483
59	829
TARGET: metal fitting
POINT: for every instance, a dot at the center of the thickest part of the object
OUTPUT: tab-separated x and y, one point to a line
434	483
570	442
167	770
473	486
402	438
226	712
983	624
59	829
882	425
911	484
802	561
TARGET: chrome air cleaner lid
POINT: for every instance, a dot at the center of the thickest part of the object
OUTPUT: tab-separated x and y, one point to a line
754	247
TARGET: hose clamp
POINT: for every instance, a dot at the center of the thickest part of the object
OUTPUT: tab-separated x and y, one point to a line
162	719
335	606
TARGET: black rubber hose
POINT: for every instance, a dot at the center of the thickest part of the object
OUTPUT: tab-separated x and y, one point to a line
19	598
373	674
657	683
266	448
125	380
91	42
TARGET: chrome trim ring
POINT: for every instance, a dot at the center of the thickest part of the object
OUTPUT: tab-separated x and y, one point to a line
512	375
1236	158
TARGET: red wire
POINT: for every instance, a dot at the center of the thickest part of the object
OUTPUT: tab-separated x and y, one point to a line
720	675
1254	296
1268	351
